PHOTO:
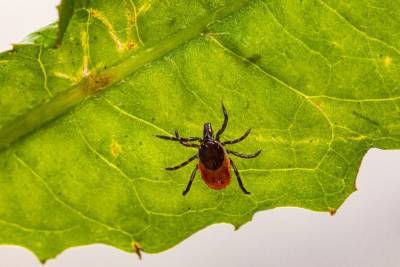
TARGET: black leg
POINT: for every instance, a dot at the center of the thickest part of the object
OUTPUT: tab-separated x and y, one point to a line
238	139
187	139
244	156
182	164
184	141
190	181
238	178
189	145
220	131
170	138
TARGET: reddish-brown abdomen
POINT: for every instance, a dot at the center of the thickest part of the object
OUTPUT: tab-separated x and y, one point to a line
216	179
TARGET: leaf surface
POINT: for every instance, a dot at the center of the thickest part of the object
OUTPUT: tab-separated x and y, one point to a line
316	80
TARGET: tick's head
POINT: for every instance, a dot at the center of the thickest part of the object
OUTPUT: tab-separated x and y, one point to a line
207	132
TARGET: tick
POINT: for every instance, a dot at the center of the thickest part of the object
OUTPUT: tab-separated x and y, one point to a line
213	159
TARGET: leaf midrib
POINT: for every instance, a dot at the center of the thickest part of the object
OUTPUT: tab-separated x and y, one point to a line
38	116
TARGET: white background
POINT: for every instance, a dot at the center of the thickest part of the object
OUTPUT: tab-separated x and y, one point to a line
364	232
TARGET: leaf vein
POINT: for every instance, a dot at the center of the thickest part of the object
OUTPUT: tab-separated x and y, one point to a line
357	29
281	82
43	69
64	203
303	43
126	113
30	229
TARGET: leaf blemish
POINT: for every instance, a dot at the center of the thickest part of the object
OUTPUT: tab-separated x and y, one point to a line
96	82
130	44
115	148
105	21
254	58
387	61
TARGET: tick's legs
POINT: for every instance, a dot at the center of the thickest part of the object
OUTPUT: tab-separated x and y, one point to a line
182	164
238	178
220	131
244	156
170	138
187	139
238	139
179	139
190	181
189	145
183	141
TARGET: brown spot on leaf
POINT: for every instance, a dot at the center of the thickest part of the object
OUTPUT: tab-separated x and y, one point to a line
96	82
130	44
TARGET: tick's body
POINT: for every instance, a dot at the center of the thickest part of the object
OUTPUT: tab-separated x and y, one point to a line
213	160
216	179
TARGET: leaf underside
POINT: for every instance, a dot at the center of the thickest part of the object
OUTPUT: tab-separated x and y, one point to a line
316	80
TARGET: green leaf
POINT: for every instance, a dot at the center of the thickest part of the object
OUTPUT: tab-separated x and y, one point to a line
316	80
45	37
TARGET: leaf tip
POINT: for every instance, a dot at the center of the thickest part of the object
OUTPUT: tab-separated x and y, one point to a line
236	226
332	211
137	248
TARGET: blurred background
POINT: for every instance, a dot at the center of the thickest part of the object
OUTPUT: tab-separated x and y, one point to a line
364	232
